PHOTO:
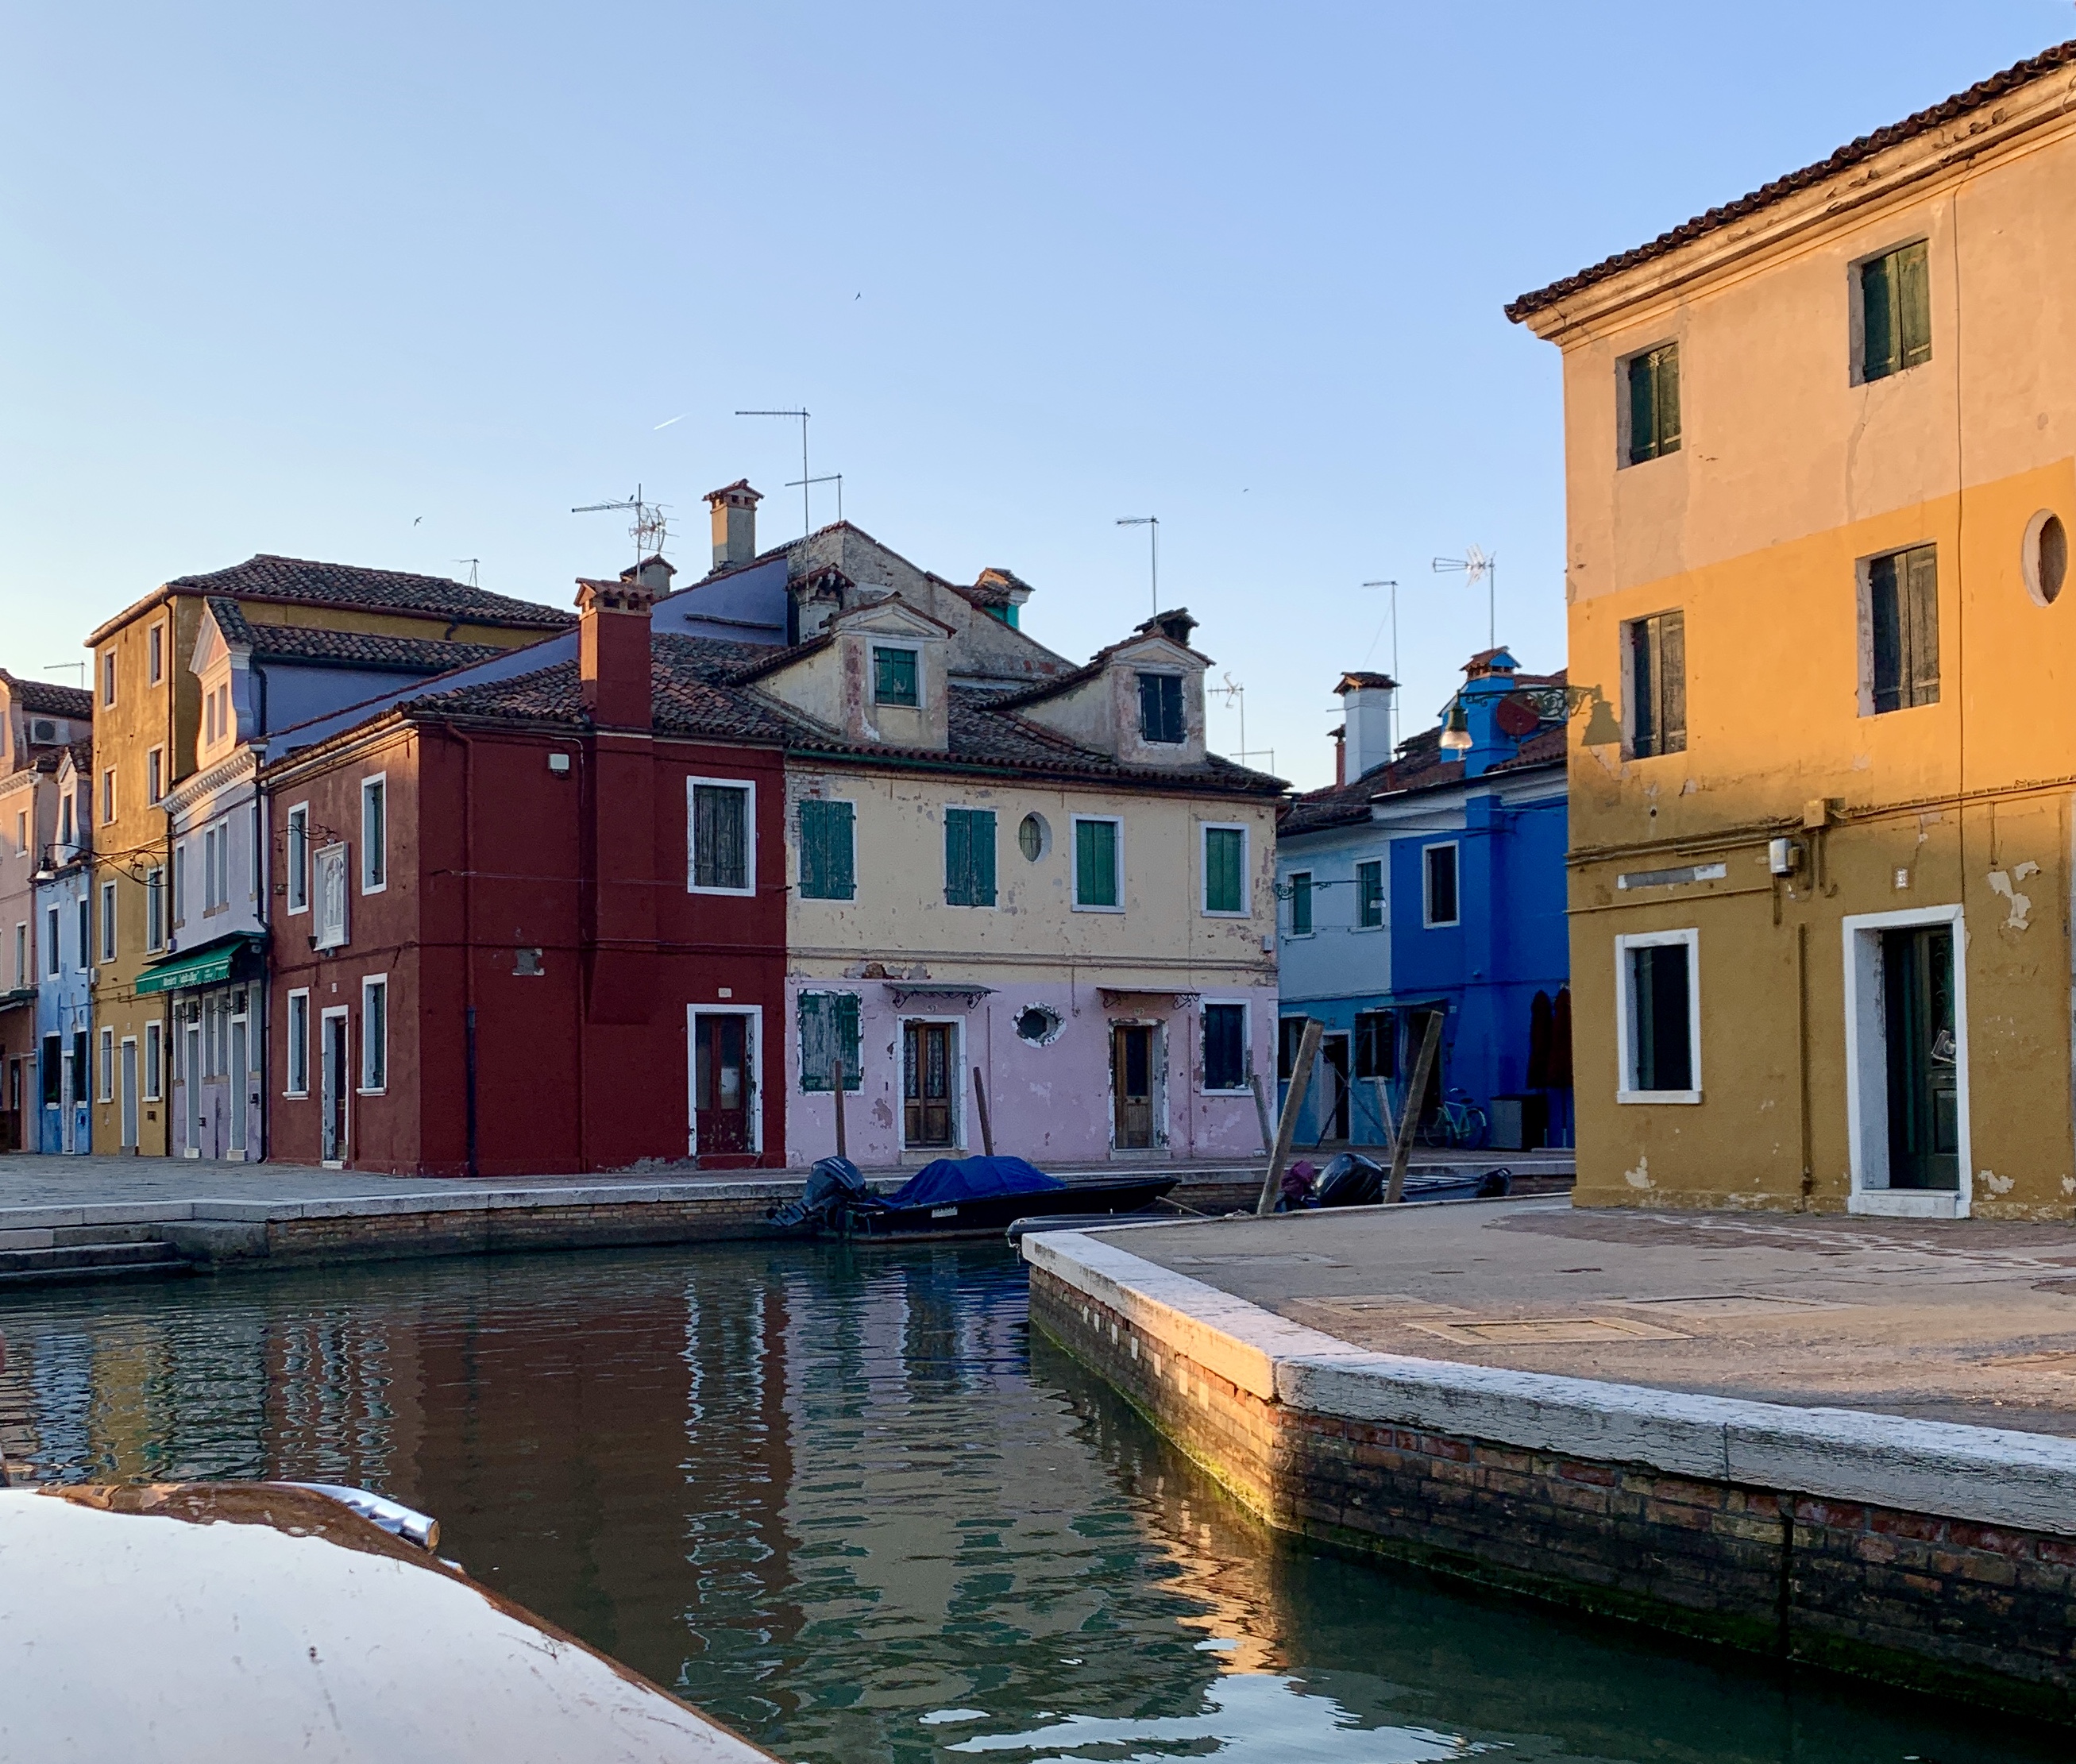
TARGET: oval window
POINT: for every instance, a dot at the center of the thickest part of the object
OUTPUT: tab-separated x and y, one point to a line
2045	557
1034	838
1035	1023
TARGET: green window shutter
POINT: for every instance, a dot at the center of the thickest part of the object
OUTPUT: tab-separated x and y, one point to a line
1223	888
1665	387
1643	412
1880	354
1913	305
1300	904
980	874
958	857
828	867
1095	863
1885	617
828	1028
1672	681
1919	568
849	1041
1643	729
894	677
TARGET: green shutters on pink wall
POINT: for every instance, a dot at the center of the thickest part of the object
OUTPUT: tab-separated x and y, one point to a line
829	1031
970	857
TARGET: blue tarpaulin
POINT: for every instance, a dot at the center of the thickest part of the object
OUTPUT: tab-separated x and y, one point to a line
949	1180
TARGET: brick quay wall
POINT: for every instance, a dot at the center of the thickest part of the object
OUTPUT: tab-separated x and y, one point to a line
1920	1554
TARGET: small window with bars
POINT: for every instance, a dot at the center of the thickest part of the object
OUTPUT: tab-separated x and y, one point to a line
1656	664
1902	631
1653	383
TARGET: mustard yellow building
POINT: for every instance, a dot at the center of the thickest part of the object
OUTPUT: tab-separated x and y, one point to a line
1820	457
147	726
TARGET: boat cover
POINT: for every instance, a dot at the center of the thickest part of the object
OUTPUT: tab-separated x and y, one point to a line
950	1180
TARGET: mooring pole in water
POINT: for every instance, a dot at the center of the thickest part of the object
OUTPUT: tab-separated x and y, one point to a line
1409	1117
836	1091
1260	1109
986	1131
1286	1128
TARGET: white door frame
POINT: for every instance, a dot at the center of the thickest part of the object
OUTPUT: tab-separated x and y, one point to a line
238	1078
958	1097
753	1049
127	1092
1156	1076
1867	1069
191	1098
344	1102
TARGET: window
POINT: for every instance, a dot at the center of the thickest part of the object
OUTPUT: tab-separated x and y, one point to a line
1369	895
1653	403
1225	1047
1657	1021
1376	1044
1039	1024
108	796
828	850
255	838
723	862
105	1090
1903	630
155	776
1438	865
65	819
1160	709
108	677
51	962
1656	660
374	835
155	654
970	857
299	858
1301	903
1895	312
1289	1033
2044	557
829	1031
22	832
895	679
1225	870
155	1060
154	909
297	1065
179	884
375	1033
328	880
1034	838
21	977
215	868
108	921
1097	883
52	1063
85	931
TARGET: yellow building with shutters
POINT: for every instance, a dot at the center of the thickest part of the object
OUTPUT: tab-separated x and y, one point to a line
1820	462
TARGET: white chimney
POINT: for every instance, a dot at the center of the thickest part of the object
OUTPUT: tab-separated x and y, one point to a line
734	508
1367	701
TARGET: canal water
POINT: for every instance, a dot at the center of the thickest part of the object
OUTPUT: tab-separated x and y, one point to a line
841	1498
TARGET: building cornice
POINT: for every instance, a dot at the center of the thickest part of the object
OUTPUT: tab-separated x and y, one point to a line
242	764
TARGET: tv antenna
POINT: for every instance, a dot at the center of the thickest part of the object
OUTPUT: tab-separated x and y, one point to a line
78	668
1367	653
1473	564
807	520
473	563
1234	694
1152	523
651	527
835	478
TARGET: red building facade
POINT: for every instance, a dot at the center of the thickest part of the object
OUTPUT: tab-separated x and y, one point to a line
536	925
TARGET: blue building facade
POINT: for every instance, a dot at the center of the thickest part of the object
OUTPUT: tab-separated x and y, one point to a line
1432	880
64	1006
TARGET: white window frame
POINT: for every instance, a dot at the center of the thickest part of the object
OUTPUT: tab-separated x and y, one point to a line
1311	879
1428	921
54	956
1243	1088
150	1084
344	860
108	796
373	849
154	653
1383	898
754	1048
22	976
104	1068
1074	864
1246	907
874	645
296	831
107	945
1624	1047
155	776
749	836
351	1126
296	1065
1866	1069
155	916
108	672
370	984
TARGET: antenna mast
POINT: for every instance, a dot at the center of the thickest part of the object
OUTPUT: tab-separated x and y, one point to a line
1152	523
650	530
807	520
835	478
1473	564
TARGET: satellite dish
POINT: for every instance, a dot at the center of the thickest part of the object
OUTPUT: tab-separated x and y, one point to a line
1517	716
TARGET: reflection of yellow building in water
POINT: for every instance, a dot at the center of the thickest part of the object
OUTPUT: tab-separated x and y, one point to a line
1821	449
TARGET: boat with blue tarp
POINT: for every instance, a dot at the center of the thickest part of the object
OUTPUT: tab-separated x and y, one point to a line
954	1197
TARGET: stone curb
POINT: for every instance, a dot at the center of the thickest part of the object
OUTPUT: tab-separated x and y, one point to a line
1986	1475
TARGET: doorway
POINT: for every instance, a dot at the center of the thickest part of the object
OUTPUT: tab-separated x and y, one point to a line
191	1092
928	1070
332	1091
235	1088
1332	1109
721	1086
129	1094
1131	1085
1924	1098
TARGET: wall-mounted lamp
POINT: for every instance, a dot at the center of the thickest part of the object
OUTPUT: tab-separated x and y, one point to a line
1456	729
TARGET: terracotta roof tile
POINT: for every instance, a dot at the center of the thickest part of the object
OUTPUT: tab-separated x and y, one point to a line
44	700
299	645
265	577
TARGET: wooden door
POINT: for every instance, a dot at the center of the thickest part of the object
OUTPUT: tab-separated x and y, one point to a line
1131	1085
333	1071
1923	1096
927	1069
720	1084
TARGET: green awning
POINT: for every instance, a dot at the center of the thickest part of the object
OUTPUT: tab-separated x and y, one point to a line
201	967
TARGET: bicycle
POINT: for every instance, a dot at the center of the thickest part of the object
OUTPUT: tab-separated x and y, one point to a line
1456	1121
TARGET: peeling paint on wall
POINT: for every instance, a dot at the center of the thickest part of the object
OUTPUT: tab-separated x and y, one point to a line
1995	1184
2005	882
1640	1176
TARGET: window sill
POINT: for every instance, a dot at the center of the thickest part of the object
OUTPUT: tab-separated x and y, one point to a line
1080	908
297	912
381	1092
1443	924
740	894
374	888
1228	912
295	1096
1210	1090
1658	1096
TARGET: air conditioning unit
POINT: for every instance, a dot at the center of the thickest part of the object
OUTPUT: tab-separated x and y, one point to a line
44	731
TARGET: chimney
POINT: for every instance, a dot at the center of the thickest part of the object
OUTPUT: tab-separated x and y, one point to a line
612	648
1175	625
734	508
1366	701
1340	739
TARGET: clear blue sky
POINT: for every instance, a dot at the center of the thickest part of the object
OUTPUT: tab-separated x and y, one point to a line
398	285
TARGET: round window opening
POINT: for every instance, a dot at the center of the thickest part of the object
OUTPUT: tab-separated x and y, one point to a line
1037	1024
2046	557
1034	839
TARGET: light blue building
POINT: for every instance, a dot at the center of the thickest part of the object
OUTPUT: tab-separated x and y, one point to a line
1431	878
58	896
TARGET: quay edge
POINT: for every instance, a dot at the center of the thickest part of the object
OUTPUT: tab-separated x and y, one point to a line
1926	1555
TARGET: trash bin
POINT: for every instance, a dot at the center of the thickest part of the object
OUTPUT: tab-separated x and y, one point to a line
1520	1123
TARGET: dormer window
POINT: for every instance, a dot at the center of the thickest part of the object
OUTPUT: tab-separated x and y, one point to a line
896	677
1160	709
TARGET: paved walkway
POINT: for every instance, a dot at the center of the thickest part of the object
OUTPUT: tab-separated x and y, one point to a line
1968	1321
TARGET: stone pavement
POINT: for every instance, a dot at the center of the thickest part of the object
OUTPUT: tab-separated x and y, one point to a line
1968	1321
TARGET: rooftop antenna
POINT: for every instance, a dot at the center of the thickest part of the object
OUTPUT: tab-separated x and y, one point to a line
1152	523
807	521
472	562
78	668
1367	653
651	527
1235	694
835	478
1473	564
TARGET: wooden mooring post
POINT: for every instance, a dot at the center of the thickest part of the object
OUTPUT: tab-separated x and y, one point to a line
1409	1117
1286	1128
987	1127
836	1091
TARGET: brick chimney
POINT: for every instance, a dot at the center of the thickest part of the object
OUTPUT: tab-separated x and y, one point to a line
613	647
734	508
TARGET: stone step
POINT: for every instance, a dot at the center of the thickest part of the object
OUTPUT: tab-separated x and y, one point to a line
89	1261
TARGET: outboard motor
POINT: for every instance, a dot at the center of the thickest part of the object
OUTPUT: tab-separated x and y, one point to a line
1348	1179
834	1187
